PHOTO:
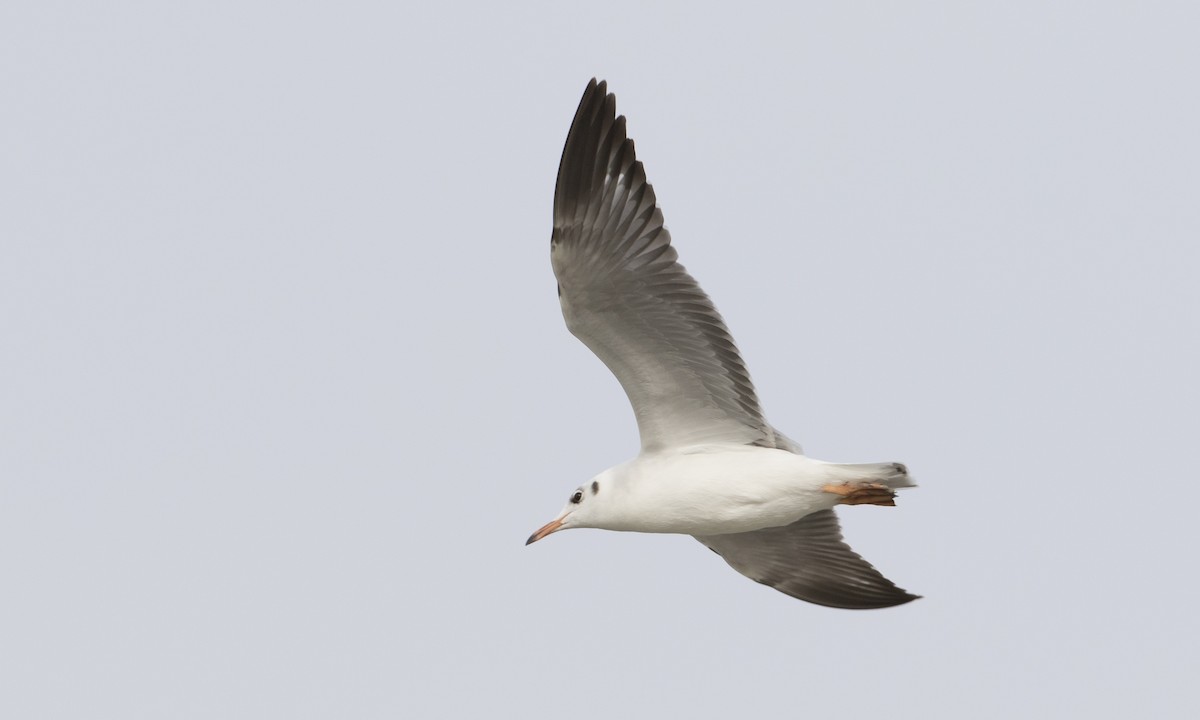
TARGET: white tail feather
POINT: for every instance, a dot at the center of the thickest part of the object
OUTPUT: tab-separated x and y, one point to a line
894	475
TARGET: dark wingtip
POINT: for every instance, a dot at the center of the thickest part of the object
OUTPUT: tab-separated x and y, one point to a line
594	87
844	603
901	597
580	167
531	539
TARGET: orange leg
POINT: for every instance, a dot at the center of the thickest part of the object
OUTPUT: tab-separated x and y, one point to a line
863	493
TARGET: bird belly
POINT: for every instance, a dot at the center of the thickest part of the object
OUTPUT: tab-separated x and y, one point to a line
725	491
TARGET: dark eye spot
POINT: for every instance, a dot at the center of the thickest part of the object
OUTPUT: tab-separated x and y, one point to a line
577	497
595	487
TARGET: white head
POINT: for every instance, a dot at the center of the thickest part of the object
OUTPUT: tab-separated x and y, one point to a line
585	508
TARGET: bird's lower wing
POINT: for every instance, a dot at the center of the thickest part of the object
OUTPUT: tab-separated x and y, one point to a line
808	560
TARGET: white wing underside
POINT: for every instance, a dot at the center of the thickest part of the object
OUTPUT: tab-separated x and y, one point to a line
624	294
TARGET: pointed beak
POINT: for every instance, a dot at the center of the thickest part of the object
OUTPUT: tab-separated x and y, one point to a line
545	530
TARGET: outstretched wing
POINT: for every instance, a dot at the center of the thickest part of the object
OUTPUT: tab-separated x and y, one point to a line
809	560
627	298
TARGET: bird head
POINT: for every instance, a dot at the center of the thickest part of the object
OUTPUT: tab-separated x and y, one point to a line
581	510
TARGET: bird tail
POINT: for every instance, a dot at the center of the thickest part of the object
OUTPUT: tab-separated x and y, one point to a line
894	475
868	483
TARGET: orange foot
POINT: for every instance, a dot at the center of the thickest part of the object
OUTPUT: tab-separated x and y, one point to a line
863	493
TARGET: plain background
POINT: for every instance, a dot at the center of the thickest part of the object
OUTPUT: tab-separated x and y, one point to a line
285	384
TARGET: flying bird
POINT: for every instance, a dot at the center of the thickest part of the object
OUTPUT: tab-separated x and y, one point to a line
710	465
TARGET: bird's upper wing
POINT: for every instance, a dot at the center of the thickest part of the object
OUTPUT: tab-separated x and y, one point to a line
808	560
627	298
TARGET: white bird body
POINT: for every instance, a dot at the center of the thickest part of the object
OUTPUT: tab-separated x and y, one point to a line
711	465
711	489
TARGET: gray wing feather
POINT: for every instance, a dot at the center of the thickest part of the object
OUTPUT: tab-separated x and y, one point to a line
624	294
808	560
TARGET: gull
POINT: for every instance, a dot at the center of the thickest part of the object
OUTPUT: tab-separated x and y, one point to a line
710	464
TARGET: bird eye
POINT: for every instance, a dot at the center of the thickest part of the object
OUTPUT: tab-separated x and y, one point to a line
577	497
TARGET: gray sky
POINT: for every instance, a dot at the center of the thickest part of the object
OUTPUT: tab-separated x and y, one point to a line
285	383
